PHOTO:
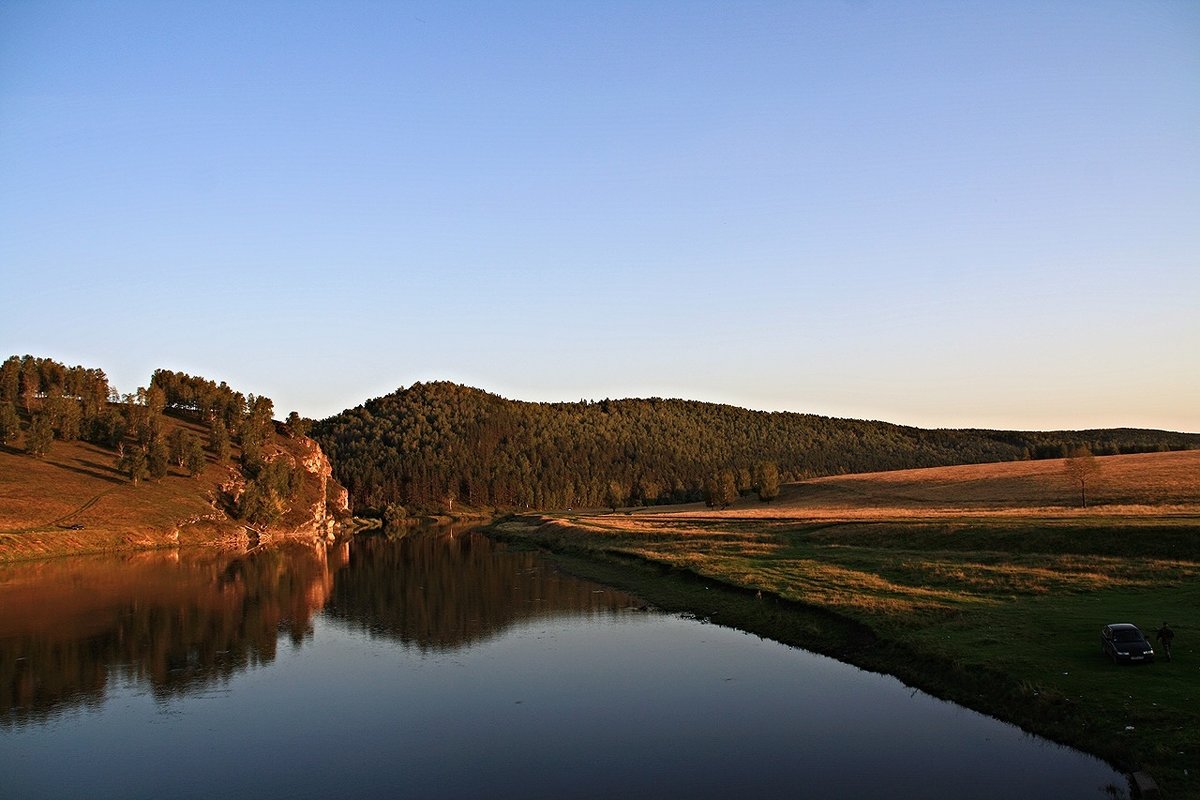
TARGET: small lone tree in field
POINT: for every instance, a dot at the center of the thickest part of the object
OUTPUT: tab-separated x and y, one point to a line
1082	467
614	495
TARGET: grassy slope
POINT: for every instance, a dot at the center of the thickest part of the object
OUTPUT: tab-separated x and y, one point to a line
77	483
982	583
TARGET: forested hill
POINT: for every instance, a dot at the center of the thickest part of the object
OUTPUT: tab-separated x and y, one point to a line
436	444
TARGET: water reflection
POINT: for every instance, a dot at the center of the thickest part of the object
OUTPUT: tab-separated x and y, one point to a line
407	655
182	620
445	591
174	620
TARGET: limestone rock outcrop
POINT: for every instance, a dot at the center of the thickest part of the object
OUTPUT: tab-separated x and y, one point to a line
330	502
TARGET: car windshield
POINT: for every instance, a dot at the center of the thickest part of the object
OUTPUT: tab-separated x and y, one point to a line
1127	636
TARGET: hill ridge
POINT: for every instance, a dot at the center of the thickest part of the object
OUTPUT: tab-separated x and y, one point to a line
434	444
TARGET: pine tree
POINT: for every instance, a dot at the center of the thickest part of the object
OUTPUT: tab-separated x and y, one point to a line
724	490
158	459
176	442
614	495
40	436
107	428
31	382
10	380
193	456
259	505
218	440
297	425
768	481
132	463
70	420
10	422
252	449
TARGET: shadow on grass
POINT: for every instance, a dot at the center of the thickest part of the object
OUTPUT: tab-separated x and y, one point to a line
111	477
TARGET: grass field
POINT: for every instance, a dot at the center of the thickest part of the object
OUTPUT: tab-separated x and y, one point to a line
984	584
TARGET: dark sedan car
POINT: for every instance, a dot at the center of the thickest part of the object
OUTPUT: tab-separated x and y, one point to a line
1125	644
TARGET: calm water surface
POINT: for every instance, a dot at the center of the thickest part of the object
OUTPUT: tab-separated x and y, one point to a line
444	666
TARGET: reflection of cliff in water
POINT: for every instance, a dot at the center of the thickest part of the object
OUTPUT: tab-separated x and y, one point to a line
441	591
70	629
177	621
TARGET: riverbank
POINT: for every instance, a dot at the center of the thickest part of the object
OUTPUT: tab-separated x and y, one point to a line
996	609
1052	681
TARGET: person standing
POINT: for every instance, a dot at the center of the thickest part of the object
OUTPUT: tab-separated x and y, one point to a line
1166	636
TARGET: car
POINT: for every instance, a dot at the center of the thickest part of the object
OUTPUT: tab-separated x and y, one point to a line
1125	643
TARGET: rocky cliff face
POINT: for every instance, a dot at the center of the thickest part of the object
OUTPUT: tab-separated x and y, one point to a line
329	502
315	508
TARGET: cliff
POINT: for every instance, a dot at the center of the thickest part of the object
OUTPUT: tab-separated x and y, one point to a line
321	503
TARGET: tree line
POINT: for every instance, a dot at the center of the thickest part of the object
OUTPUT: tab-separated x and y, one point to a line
43	401
435	444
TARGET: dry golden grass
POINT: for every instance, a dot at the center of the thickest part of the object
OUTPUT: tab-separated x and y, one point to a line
986	570
1129	486
933	541
42	500
77	483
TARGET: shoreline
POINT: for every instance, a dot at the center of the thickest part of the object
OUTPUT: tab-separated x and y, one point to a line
1013	698
38	545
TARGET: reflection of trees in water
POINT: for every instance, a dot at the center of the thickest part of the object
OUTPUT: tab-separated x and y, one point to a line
441	592
175	621
185	620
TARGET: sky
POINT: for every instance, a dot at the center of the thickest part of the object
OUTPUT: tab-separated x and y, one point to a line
959	214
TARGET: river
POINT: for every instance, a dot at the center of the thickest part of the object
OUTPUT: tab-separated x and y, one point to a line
444	665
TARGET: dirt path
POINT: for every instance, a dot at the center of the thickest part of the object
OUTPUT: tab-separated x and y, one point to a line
61	521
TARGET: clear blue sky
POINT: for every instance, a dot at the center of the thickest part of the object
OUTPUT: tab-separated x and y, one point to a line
941	214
